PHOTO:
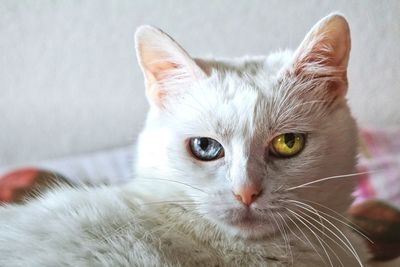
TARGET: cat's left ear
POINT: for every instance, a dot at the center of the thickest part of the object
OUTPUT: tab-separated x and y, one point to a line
166	66
324	54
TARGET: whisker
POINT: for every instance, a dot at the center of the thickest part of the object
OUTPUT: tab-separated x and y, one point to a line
337	257
284	235
330	178
311	207
287	236
325	233
174	181
315	235
293	233
280	231
348	224
333	251
348	244
270	221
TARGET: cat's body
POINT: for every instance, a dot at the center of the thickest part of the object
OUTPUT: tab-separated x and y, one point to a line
215	185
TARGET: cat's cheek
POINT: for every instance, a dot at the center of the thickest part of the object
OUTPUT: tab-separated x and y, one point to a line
211	174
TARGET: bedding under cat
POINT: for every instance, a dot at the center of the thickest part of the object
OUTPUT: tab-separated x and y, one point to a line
242	162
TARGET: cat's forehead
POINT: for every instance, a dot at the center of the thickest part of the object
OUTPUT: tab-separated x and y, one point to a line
229	103
242	98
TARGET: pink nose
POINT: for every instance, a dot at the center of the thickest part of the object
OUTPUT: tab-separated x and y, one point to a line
247	194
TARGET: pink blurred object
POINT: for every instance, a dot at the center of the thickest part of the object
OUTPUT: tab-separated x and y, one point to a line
380	158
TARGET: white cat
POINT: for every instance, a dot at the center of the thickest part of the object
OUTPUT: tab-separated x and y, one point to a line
243	162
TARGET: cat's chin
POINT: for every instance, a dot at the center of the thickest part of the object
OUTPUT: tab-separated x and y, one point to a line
251	230
249	226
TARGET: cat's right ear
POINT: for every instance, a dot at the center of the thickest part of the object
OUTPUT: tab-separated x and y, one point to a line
166	66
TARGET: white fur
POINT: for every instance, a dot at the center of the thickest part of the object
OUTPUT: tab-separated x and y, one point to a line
179	211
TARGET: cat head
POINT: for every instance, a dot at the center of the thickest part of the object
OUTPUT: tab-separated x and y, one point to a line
238	137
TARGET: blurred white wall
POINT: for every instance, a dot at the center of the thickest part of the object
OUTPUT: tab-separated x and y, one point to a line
69	81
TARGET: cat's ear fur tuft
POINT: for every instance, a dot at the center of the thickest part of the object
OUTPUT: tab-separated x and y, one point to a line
324	53
166	66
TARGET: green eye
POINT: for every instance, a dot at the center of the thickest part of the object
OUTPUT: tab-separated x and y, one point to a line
288	145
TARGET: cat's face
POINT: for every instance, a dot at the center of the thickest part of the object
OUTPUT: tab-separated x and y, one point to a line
237	137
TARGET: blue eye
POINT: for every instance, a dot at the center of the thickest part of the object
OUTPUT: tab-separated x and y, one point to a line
205	149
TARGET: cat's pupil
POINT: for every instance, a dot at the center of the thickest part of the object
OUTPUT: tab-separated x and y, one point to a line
204	143
290	139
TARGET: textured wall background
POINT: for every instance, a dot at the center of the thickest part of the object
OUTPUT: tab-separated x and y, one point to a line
69	81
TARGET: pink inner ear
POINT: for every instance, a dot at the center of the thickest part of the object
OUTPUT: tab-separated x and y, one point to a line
164	66
323	55
167	67
159	69
323	64
309	61
156	75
